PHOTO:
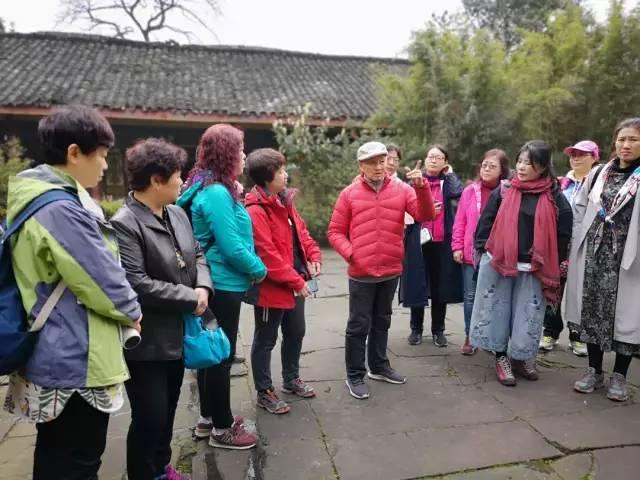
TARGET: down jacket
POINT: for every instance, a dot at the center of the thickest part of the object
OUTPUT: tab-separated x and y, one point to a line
273	238
367	226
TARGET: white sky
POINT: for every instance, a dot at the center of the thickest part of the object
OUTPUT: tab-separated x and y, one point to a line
380	28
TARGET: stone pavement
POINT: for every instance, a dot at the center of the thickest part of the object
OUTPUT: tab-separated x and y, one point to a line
451	420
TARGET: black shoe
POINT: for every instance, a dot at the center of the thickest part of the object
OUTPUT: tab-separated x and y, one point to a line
388	375
439	340
415	338
358	389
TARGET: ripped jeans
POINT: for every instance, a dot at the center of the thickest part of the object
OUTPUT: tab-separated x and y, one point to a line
507	312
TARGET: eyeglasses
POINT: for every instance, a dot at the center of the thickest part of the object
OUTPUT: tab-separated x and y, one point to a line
435	157
489	166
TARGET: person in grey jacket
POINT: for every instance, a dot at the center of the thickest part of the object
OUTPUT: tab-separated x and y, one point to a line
601	299
169	273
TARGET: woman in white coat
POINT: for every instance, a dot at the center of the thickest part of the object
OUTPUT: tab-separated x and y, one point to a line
602	299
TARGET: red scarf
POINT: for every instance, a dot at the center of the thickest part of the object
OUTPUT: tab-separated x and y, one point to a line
503	240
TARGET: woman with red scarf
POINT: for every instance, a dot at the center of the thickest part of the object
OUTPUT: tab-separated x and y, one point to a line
520	267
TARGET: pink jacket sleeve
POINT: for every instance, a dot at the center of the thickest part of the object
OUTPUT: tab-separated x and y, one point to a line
460	223
338	231
420	203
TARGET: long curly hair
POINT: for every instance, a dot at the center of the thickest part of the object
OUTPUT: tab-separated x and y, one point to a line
217	156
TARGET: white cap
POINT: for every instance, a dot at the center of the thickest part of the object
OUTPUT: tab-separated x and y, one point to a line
370	150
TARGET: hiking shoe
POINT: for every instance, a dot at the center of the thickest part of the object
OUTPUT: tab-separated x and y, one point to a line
503	371
579	348
525	369
388	375
590	382
439	339
467	348
270	401
415	338
358	389
618	391
298	387
548	343
235	438
170	473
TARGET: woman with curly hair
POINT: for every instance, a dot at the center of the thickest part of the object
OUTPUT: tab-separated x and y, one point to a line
223	227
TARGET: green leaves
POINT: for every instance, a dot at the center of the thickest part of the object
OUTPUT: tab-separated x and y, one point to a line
12	161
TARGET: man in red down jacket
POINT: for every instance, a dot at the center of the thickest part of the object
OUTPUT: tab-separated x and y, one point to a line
292	258
366	229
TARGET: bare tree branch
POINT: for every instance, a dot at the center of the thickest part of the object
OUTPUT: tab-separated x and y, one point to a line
125	18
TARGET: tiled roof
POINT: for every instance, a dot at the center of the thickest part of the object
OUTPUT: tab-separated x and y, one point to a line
45	69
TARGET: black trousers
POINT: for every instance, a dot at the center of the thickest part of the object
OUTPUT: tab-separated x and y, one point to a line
268	321
71	446
214	383
553	324
431	253
369	316
153	391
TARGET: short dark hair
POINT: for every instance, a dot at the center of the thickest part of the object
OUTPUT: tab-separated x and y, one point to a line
67	125
626	123
392	147
441	148
153	156
262	165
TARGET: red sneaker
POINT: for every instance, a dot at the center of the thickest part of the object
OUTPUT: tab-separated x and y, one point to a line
504	372
467	348
235	438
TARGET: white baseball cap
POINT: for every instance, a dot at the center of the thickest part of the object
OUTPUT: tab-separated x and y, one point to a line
370	150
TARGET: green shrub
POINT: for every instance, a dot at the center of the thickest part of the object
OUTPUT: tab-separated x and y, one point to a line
110	207
320	164
12	161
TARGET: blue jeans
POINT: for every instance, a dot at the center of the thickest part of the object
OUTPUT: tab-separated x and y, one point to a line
507	312
469	292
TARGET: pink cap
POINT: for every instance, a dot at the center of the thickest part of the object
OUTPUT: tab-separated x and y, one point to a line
585	146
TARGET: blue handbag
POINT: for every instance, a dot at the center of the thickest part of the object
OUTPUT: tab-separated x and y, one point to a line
205	343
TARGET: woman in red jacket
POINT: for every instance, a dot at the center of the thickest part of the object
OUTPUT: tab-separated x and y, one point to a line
292	259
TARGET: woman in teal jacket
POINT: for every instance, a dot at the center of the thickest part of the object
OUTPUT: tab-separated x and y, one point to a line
223	227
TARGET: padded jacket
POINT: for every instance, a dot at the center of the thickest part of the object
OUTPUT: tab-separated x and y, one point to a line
367	226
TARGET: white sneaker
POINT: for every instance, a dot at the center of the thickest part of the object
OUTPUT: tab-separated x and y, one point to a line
548	343
579	349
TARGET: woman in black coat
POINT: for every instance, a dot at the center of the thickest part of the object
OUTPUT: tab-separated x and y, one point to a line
170	274
429	269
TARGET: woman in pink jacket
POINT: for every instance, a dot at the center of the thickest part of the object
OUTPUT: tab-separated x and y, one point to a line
493	168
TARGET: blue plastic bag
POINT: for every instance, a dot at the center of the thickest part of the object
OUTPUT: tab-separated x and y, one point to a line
205	343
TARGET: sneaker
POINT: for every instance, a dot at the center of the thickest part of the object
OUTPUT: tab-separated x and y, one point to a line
170	473
618	391
548	343
415	338
204	426
234	438
590	382
298	387
525	369
579	348
504	372
270	401
358	389
439	340
388	375
467	348
238	359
